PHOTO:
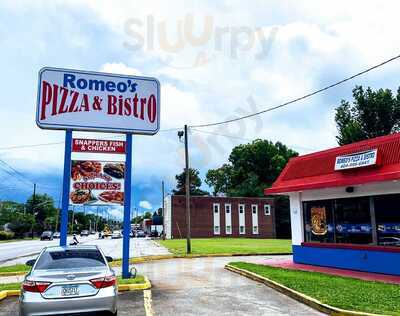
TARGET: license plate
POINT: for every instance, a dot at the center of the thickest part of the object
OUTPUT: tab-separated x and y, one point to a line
69	291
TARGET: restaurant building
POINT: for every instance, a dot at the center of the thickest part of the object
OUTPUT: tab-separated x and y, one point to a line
345	206
220	217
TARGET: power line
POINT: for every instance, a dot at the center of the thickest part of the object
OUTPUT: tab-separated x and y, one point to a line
60	143
20	175
245	116
302	97
246	139
29	146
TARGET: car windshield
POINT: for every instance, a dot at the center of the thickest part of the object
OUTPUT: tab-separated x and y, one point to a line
70	259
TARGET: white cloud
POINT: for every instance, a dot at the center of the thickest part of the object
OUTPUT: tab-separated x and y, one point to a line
316	43
119	68
145	204
116	213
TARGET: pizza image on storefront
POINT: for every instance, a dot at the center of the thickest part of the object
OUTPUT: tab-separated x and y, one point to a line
318	221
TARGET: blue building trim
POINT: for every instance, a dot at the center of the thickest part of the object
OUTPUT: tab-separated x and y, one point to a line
353	259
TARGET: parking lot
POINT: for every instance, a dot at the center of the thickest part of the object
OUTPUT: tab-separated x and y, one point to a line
128	304
199	287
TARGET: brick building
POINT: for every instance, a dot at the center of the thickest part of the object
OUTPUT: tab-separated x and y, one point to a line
220	217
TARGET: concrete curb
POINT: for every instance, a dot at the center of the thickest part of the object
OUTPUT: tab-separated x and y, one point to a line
121	288
134	287
8	293
7	274
302	298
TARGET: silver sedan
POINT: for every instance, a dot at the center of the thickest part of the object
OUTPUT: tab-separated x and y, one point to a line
67	280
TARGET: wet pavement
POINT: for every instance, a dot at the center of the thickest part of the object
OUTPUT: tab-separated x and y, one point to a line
199	286
202	286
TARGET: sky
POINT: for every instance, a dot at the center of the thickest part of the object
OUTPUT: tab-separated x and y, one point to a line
215	60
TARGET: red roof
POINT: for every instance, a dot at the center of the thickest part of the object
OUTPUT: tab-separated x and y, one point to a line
317	170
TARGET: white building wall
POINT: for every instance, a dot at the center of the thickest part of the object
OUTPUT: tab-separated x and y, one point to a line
228	219
168	216
377	188
242	222
254	219
217	224
296	218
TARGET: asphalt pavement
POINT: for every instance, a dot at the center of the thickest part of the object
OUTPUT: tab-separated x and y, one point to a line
199	286
202	286
21	251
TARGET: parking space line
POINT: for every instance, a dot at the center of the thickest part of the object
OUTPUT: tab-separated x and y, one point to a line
147	303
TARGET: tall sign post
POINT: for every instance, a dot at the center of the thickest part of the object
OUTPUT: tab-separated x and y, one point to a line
65	188
127	207
73	100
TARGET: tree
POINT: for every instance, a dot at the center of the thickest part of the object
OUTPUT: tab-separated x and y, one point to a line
13	214
43	206
194	183
219	179
372	114
252	168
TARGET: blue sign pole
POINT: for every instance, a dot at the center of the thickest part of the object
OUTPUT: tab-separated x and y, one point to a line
66	185
127	207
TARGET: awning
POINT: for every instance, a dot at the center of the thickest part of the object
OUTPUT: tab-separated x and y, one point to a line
317	170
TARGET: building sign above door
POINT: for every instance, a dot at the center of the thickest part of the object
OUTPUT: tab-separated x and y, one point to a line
356	160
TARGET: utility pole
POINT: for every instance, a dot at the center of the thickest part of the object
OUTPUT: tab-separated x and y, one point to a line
33	205
162	210
187	189
58	212
72	224
162	195
97	219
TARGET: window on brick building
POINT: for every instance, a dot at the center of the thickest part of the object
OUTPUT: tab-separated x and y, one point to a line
267	209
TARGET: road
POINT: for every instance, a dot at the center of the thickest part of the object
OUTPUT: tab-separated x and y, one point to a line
21	251
199	286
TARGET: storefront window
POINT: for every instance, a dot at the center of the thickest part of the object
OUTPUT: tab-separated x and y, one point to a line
318	221
387	213
338	221
353	221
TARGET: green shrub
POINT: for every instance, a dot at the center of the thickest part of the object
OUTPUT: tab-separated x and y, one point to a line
6	235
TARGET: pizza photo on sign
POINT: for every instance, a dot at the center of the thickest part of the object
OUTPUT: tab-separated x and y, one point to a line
318	221
97	182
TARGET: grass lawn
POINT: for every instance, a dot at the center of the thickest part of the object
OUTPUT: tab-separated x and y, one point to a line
138	280
10	286
229	245
17	286
345	293
15	268
19	239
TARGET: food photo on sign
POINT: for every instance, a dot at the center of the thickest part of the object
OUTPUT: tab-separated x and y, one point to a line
97	182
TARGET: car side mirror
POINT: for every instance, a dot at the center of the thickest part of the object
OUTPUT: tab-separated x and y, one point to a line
109	259
31	262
